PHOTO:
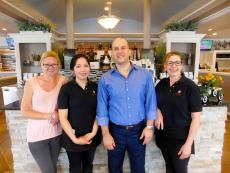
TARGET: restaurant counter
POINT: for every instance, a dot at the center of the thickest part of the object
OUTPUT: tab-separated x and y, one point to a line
208	145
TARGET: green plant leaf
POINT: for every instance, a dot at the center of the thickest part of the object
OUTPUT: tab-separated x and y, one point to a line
180	26
33	26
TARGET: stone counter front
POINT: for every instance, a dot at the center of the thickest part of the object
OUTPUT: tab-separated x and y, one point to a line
208	147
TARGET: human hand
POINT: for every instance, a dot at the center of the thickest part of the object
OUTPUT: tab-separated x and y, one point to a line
89	136
54	119
108	142
159	123
147	135
82	140
185	151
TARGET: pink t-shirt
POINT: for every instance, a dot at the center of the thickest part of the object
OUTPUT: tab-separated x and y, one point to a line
46	102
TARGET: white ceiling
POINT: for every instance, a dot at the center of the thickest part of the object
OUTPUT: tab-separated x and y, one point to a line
87	11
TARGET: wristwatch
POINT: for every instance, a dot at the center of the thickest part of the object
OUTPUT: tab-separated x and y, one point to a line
150	127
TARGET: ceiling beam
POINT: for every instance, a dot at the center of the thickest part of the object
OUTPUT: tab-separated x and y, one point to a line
197	10
20	10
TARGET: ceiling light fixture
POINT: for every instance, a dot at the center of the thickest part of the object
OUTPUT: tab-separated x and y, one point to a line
210	29
214	34
106	8
108	21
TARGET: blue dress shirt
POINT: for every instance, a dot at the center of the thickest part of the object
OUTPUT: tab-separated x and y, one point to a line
126	101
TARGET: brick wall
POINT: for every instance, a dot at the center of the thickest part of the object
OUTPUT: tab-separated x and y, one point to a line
208	145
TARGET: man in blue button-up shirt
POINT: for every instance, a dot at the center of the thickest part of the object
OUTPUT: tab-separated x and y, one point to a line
126	110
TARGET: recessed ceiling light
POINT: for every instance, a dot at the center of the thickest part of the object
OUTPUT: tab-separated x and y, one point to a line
106	8
214	34
4	29
109	3
210	29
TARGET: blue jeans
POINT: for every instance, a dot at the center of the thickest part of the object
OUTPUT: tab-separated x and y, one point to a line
127	139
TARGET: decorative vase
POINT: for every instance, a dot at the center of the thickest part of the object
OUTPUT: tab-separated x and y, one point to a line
36	63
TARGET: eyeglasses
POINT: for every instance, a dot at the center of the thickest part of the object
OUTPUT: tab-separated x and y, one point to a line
50	65
170	63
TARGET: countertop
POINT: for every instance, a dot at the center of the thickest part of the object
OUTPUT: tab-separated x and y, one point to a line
214	72
16	105
12	106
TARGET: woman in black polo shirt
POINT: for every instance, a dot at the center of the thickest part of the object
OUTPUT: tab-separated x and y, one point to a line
77	102
178	117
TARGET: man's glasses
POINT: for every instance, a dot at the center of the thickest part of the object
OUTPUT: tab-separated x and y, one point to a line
170	63
50	65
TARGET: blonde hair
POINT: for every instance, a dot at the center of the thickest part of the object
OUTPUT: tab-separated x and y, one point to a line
52	54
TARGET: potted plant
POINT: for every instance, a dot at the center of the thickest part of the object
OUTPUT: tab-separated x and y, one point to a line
160	52
36	59
33	26
181	26
209	90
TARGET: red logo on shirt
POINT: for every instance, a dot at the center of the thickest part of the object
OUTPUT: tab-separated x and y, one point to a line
94	93
178	93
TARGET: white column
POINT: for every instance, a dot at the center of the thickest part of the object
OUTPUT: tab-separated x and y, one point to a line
70	24
147	24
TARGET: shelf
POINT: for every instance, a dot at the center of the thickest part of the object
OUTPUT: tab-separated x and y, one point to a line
187	42
216	73
221	51
28	44
7	52
8	72
7	60
4	74
222	59
31	65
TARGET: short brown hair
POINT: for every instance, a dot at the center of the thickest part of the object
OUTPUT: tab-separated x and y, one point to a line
50	54
169	54
120	38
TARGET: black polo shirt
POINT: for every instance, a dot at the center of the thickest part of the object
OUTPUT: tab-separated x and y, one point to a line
176	102
81	105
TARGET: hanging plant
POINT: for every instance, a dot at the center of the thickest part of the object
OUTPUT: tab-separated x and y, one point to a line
181	26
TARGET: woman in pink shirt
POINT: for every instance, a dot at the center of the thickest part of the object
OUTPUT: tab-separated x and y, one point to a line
39	106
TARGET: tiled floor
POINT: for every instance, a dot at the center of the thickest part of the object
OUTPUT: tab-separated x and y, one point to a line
6	155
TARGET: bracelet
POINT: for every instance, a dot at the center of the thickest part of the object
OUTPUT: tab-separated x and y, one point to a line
151	127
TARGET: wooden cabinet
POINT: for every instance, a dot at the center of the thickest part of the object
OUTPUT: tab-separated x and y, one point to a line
27	44
188	43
